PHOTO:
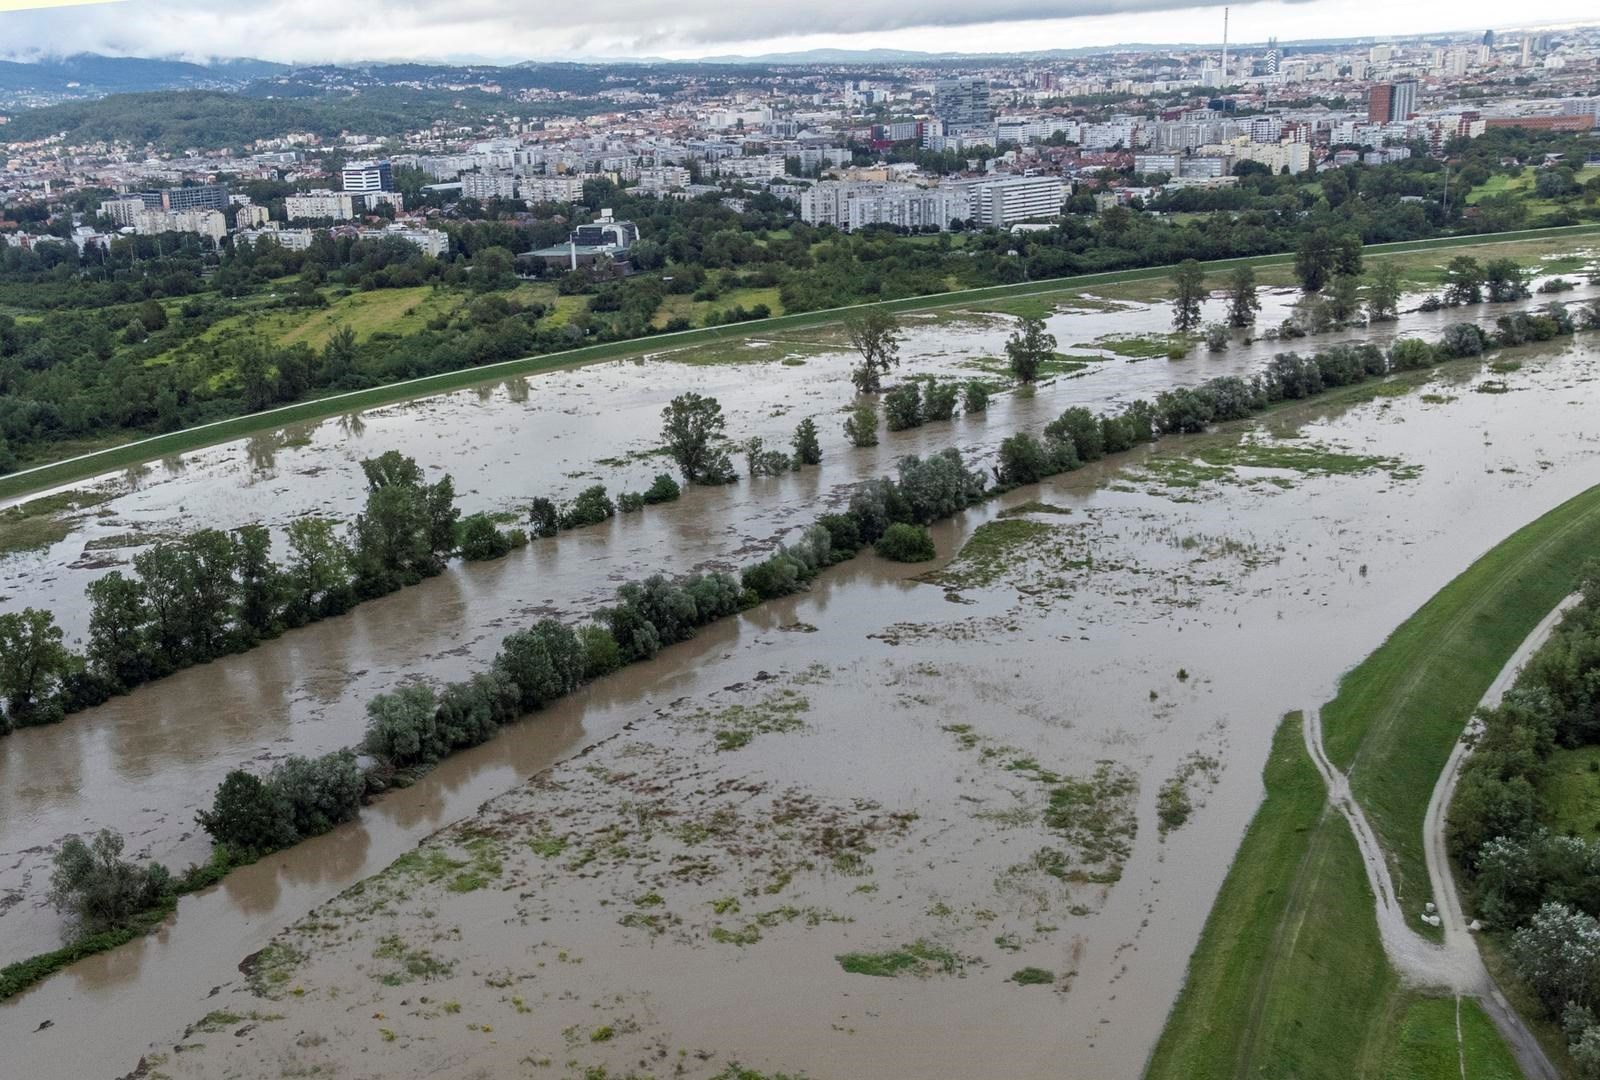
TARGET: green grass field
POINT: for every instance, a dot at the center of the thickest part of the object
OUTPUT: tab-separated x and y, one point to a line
1522	185
1423	1044
1571	791
695	311
66	471
1289	979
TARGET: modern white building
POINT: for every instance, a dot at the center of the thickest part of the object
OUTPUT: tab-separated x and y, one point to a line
659	178
856	204
999	203
337	205
322	205
212	223
488	185
551	189
364	176
906	206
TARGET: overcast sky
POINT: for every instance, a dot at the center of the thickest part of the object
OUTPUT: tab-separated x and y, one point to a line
309	31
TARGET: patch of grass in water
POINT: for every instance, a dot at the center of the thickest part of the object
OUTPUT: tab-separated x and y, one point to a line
1033	976
270	969
734	726
40	523
547	846
1505	367
410	963
993	548
1033	506
1096	815
1141	346
1175	800
921	958
1311	460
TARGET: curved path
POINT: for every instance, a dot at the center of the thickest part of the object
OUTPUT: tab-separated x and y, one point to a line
1455	965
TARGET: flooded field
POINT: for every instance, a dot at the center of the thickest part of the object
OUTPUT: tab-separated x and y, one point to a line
1036	758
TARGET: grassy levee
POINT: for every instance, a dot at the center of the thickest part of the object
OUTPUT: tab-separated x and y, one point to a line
69	470
1423	1044
1288	978
1399	713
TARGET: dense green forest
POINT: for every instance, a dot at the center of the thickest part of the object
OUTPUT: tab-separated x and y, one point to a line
1524	825
176	120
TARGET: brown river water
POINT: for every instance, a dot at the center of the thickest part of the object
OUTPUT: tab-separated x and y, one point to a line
1261	586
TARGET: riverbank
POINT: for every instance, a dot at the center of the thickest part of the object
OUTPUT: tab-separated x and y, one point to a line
51	475
1289	977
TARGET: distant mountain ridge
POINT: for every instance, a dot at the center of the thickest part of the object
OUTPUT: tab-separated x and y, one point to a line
92	73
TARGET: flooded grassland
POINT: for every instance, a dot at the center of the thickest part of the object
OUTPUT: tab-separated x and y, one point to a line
917	822
144	763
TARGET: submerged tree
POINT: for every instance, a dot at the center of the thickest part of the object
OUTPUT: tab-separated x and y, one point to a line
32	661
1188	293
690	426
807	447
861	426
1383	294
1029	346
1242	300
875	334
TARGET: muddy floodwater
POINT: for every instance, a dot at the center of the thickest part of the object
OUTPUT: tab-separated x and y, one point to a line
825	837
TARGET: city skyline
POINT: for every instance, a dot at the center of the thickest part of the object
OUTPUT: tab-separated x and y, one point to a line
495	31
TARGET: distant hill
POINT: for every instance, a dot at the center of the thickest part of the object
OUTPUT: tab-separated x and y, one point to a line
89	74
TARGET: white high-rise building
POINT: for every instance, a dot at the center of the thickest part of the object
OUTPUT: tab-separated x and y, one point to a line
998	203
364	176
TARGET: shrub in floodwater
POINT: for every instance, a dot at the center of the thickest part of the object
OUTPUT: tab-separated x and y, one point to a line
544	662
844	534
319	792
662	489
936	487
591	507
902	407
1082	430
861	426
772	577
247	815
543	517
480	539
715	596
402	727
1411	354
99	889
876	505
906	543
939	400
1463	339
1025	460
974	397
807	447
763	462
471	712
601	655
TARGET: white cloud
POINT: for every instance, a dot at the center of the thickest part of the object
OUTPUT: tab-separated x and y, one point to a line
340	30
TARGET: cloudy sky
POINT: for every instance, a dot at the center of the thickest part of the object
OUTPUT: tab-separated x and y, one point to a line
337	30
